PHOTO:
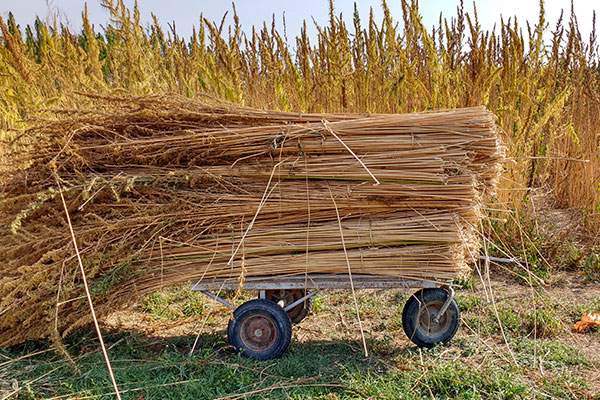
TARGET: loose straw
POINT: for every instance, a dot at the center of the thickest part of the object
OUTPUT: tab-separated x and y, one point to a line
87	292
362	332
260	206
485	290
350	150
209	312
430	167
307	227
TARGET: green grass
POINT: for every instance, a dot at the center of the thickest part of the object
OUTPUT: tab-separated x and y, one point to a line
173	303
591	266
549	354
325	359
316	369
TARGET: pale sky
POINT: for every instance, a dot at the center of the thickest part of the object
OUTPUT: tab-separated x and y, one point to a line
254	12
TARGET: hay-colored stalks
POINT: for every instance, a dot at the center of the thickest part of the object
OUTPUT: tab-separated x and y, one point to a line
161	190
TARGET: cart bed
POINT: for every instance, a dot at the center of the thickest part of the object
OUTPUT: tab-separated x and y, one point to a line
312	281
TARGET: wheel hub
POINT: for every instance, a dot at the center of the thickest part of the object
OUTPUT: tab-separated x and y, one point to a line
259	333
427	316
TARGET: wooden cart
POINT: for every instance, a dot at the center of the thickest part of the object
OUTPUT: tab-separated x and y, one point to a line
261	328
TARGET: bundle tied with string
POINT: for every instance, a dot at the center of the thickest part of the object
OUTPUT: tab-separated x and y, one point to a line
162	190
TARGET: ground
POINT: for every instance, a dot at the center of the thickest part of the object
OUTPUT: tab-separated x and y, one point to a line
535	355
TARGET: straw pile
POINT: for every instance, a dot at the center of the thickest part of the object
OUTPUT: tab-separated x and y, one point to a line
162	190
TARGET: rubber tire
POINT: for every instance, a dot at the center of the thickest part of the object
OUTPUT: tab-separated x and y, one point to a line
267	309
296	314
412	311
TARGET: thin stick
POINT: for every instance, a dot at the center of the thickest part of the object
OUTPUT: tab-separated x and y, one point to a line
60	348
13	360
425	218
478	337
161	385
62	270
425	370
162	260
279	386
362	333
486	270
350	150
208	313
475	263
493	301
97	191
529	281
260	206
18	389
523	233
87	292
485	239
307	226
500	324
558	159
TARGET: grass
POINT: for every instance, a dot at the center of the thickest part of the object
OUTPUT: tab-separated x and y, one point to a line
591	266
314	369
325	360
173	303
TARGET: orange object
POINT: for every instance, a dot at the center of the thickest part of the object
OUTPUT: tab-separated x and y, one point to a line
587	320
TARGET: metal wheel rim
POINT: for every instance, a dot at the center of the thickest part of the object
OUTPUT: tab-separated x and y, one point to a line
427	313
258	333
288	297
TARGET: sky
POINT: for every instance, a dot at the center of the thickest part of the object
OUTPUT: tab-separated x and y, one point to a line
186	14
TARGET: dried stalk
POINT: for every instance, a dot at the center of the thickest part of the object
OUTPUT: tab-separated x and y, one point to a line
188	173
87	293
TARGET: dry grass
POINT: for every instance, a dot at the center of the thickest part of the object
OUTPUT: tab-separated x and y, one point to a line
546	94
163	190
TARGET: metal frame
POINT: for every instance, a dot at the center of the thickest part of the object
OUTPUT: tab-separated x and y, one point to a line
300	300
314	283
445	306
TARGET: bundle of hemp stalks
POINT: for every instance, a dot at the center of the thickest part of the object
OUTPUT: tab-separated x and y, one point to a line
163	189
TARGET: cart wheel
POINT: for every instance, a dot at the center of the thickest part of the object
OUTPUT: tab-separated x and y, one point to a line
419	313
288	296
260	329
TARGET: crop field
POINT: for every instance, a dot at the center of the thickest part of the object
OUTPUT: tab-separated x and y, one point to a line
516	340
545	93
